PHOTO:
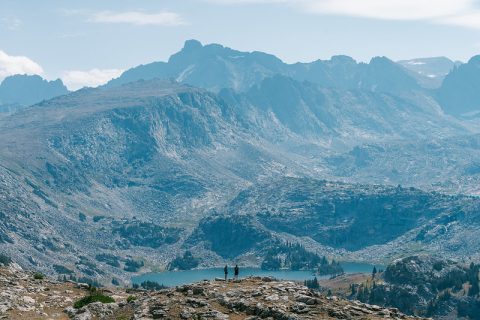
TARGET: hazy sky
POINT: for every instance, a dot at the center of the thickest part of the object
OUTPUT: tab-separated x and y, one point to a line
90	41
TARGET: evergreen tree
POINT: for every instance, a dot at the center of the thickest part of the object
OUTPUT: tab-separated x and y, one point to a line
474	289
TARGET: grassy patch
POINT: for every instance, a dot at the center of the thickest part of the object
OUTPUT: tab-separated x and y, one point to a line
38	276
95	297
5	260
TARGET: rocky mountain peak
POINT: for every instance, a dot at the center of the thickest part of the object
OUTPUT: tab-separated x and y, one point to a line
29	89
192	45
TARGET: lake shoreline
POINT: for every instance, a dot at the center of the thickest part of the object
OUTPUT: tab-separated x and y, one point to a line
174	278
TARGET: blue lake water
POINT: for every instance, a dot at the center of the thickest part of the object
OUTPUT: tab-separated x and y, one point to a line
176	278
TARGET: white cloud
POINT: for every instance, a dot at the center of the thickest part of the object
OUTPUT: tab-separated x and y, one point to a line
10	65
468	20
11	23
390	9
139	18
463	13
76	79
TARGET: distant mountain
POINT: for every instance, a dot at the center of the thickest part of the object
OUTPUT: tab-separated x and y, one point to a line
430	72
25	90
215	67
144	167
460	92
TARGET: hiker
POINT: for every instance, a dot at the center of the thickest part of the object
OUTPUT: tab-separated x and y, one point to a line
225	270
237	271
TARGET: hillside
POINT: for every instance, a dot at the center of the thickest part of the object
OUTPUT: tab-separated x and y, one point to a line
111	181
428	286
251	298
356	222
131	171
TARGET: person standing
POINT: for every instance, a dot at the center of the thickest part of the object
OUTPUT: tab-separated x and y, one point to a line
237	271
225	270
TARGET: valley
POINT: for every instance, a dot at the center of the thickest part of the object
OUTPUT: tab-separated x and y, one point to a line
257	162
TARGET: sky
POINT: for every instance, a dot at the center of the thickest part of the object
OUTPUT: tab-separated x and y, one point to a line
88	42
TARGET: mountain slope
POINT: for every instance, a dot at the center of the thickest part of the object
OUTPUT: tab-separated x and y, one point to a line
110	180
460	91
369	221
315	112
121	171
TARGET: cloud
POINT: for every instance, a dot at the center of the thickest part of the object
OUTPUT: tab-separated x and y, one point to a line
139	18
11	23
76	79
390	9
463	13
71	35
10	65
468	20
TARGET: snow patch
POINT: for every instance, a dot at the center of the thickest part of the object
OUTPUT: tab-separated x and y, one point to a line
185	73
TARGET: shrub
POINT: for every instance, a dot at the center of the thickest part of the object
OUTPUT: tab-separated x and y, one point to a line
98	218
132	265
89	281
145	234
109	259
61	269
94	297
38	276
187	262
131	298
5	260
151	285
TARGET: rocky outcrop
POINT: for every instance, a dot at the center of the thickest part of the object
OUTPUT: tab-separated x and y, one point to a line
24	297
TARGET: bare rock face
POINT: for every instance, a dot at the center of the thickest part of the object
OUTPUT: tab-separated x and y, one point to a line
23	297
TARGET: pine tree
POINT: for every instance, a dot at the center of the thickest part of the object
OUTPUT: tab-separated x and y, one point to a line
474	289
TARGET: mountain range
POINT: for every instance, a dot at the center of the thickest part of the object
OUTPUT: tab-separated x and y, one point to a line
18	91
430	72
357	161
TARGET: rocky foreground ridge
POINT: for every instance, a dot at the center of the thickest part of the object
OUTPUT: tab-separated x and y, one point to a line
24	297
